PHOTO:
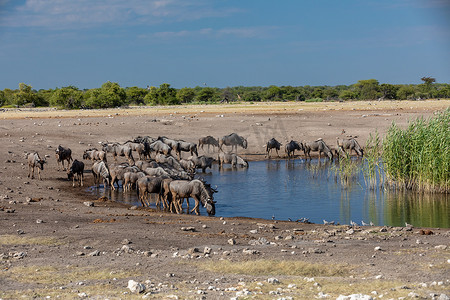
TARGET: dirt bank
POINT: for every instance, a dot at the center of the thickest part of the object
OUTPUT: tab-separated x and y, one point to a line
52	244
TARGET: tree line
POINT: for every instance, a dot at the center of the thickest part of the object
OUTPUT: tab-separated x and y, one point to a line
111	94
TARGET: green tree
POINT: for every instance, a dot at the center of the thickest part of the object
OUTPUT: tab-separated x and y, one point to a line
405	92
367	89
273	93
427	87
388	91
207	94
24	95
185	95
251	96
135	95
68	97
228	95
348	95
164	95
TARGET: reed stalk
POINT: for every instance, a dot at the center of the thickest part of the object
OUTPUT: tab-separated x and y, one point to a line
418	158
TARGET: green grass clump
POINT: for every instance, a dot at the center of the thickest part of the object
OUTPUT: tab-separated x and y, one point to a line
418	158
373	167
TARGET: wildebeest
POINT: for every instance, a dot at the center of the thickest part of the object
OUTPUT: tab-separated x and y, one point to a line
350	144
202	162
117	172
34	161
233	140
170	160
233	159
94	154
187	147
208	140
63	154
188	165
76	172
160	172
200	191
318	145
130	178
119	150
142	149
291	147
100	171
160	147
174	145
148	185
272	144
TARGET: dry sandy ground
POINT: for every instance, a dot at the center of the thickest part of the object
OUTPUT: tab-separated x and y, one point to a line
54	246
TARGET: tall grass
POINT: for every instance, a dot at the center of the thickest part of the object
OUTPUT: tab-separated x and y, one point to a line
418	158
373	167
346	170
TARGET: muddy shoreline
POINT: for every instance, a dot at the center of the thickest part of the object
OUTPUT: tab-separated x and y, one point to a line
58	240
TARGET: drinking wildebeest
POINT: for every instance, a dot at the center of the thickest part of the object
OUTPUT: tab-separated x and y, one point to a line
100	171
233	159
34	161
160	147
318	145
94	154
202	162
119	150
272	144
291	147
350	144
208	140
200	191
187	147
148	185
76	172
188	165
63	154
116	172
130	178
233	140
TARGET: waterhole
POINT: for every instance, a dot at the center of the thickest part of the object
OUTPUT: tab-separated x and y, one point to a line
293	190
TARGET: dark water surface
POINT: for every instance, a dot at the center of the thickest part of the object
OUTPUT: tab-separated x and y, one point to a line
298	189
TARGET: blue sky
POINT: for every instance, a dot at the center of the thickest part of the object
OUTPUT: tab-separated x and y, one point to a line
187	43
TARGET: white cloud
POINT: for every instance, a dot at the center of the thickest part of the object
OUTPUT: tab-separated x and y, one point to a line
62	14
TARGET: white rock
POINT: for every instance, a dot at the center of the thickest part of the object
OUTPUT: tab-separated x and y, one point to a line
136	287
273	280
355	297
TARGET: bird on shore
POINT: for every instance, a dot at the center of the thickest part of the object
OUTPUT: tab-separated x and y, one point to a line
364	223
371	223
325	222
408	225
353	223
273	217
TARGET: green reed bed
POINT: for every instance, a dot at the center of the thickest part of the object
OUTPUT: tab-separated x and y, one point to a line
418	158
373	166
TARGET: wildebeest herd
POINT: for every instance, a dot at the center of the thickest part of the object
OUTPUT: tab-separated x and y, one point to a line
161	170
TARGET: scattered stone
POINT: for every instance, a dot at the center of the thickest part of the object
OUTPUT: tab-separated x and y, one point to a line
250	251
207	250
136	287
273	280
355	297
378	248
88	203
126	242
188	229
94	253
383	229
232	241
441	247
39	221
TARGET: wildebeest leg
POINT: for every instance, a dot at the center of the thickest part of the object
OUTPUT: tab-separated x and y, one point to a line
39	174
81	178
196	207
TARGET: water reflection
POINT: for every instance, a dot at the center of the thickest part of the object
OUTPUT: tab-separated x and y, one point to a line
295	189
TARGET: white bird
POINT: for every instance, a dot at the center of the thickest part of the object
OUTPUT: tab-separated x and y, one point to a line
273	217
328	223
371	223
353	223
408	225
364	223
